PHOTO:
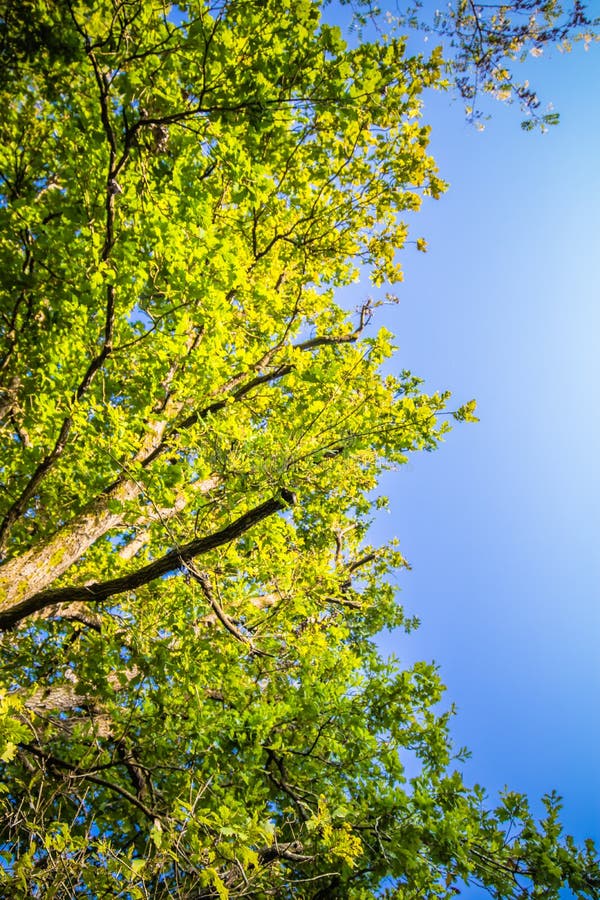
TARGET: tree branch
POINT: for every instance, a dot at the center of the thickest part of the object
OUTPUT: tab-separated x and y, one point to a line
55	763
170	562
202	579
266	378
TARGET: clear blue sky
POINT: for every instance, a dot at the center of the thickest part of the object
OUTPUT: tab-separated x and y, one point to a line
502	524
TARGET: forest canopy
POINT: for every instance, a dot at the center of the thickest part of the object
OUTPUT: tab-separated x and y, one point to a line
192	699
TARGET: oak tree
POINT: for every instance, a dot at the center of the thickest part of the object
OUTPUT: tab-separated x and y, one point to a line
192	702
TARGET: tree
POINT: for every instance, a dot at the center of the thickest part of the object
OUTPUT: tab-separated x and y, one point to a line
193	704
484	41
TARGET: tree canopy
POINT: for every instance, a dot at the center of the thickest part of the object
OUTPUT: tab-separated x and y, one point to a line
192	701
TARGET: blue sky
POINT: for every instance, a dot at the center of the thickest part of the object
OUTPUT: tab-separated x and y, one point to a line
502	524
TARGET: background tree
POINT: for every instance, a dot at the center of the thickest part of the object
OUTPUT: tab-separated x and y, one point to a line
483	41
193	704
